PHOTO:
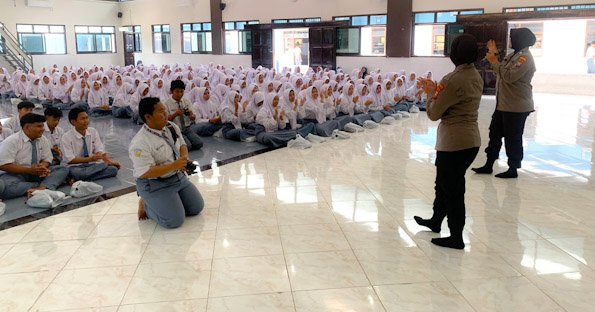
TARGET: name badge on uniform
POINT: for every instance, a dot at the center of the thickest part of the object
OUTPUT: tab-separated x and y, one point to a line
439	89
521	61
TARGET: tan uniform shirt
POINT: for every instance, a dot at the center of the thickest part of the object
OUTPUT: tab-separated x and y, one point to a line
456	104
514	92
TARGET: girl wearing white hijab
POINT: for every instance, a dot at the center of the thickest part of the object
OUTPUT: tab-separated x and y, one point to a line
20	87
159	90
62	93
229	110
121	93
142	91
45	95
80	94
32	90
314	112
98	101
417	95
400	97
206	110
5	88
291	107
249	112
362	105
271	121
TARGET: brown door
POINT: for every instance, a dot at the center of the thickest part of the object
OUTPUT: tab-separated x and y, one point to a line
128	49
322	47
484	31
262	48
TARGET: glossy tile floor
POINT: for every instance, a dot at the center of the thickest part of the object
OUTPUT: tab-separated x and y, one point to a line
331	229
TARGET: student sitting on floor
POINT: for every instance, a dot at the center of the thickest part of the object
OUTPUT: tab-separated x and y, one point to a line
61	93
98	101
121	93
44	94
159	158
19	89
207	111
14	123
80	94
4	133
84	151
54	133
180	113
25	157
33	90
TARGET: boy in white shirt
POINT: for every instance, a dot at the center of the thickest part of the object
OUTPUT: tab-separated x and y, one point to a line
54	133
23	108
84	152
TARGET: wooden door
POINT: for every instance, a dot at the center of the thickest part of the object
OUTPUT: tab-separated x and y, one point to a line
128	49
322	47
262	48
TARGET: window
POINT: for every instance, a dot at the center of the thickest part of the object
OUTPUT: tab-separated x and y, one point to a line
95	39
297	20
429	30
161	39
237	39
537	29
135	30
196	38
365	37
42	39
550	8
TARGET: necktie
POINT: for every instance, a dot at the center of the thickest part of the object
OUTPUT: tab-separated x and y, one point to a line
34	159
183	117
85	148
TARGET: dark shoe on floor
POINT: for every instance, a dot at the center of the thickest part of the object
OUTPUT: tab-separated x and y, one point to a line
483	170
510	174
427	223
449	242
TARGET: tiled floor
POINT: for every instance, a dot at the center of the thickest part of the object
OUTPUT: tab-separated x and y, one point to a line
331	229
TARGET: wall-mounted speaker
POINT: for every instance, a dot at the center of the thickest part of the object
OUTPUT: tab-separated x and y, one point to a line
120	14
222	6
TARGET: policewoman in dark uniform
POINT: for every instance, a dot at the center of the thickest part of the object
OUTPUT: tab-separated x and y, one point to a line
514	101
455	102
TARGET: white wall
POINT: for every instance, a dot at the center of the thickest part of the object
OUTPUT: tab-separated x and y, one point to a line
68	13
439	66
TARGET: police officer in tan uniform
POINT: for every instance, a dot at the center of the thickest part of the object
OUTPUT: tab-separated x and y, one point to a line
455	102
514	101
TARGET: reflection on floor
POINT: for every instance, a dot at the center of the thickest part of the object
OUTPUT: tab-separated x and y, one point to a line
116	134
331	229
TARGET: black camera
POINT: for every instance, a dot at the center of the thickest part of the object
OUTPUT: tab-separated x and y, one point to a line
190	167
186	112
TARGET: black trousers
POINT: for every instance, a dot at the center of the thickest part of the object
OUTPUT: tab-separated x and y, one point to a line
509	126
450	188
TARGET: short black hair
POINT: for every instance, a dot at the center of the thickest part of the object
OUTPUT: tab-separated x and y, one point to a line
53	112
25	104
177	84
73	114
31	118
147	107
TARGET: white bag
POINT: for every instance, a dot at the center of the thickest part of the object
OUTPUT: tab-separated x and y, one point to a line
397	116
414	109
353	128
249	139
388	120
340	135
218	134
405	114
46	199
2	208
299	143
315	138
15	101
369	124
83	188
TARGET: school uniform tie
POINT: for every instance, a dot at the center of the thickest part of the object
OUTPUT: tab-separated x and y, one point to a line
85	148
182	118
34	159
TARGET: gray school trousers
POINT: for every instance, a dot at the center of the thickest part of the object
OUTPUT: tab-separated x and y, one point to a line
92	172
169	200
17	185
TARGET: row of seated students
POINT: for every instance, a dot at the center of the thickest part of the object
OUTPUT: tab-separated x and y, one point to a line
239	104
35	153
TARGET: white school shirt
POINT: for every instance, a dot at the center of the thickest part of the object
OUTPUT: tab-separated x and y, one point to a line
55	137
13	123
16	149
5	134
172	106
72	144
148	149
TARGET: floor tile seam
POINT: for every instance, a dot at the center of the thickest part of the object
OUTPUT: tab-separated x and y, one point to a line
286	263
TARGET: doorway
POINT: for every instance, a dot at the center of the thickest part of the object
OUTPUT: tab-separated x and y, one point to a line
128	48
291	48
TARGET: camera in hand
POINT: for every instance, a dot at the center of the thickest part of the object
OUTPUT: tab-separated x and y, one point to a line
190	167
186	112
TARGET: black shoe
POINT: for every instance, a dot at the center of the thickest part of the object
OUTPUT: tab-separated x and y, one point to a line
427	223
449	242
483	170
510	174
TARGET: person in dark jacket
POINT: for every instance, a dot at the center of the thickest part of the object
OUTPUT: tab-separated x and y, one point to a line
455	102
514	101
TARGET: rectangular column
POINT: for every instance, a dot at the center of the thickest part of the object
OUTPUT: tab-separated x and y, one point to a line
399	28
217	27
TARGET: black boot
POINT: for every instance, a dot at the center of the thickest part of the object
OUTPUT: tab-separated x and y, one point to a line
510	174
428	223
454	241
487	168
